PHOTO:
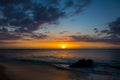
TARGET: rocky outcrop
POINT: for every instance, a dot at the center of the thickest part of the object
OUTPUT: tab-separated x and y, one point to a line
82	63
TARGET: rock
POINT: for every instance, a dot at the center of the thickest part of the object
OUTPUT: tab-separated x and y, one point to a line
82	63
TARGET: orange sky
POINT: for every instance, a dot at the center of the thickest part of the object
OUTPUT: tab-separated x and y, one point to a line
72	23
56	44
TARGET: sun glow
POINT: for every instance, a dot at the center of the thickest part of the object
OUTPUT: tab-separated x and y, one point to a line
63	46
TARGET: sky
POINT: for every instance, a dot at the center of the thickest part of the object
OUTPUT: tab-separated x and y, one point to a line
57	23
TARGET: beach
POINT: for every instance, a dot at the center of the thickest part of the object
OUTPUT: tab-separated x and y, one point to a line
40	64
29	71
59	39
3	75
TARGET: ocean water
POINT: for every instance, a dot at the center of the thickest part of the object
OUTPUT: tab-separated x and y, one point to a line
111	56
107	61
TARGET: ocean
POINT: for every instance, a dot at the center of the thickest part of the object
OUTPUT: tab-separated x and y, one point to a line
106	61
111	56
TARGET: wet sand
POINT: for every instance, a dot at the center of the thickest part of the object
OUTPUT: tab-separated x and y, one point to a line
29	71
3	76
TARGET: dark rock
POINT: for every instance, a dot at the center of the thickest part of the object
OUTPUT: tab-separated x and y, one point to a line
117	67
82	63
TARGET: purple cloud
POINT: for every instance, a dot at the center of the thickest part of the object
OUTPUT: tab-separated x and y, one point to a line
114	27
110	35
27	16
63	32
89	38
39	36
9	36
17	36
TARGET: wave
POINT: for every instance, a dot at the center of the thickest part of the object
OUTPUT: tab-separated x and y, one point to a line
32	61
93	70
99	68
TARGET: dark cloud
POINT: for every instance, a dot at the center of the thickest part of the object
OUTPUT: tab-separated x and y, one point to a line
63	32
3	29
86	38
27	16
39	36
22	36
7	2
110	35
114	27
89	38
96	30
105	31
69	4
9	36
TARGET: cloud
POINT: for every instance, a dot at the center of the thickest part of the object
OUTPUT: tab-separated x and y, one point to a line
110	35
39	36
96	30
89	38
27	16
22	36
114	27
63	32
9	36
105	31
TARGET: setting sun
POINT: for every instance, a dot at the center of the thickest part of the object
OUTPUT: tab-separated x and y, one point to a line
63	46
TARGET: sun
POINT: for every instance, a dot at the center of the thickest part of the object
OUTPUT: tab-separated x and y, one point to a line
63	46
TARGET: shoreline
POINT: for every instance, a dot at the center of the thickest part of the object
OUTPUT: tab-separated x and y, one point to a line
28	71
17	70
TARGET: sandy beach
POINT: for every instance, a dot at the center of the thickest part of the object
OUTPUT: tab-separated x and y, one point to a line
3	75
29	71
